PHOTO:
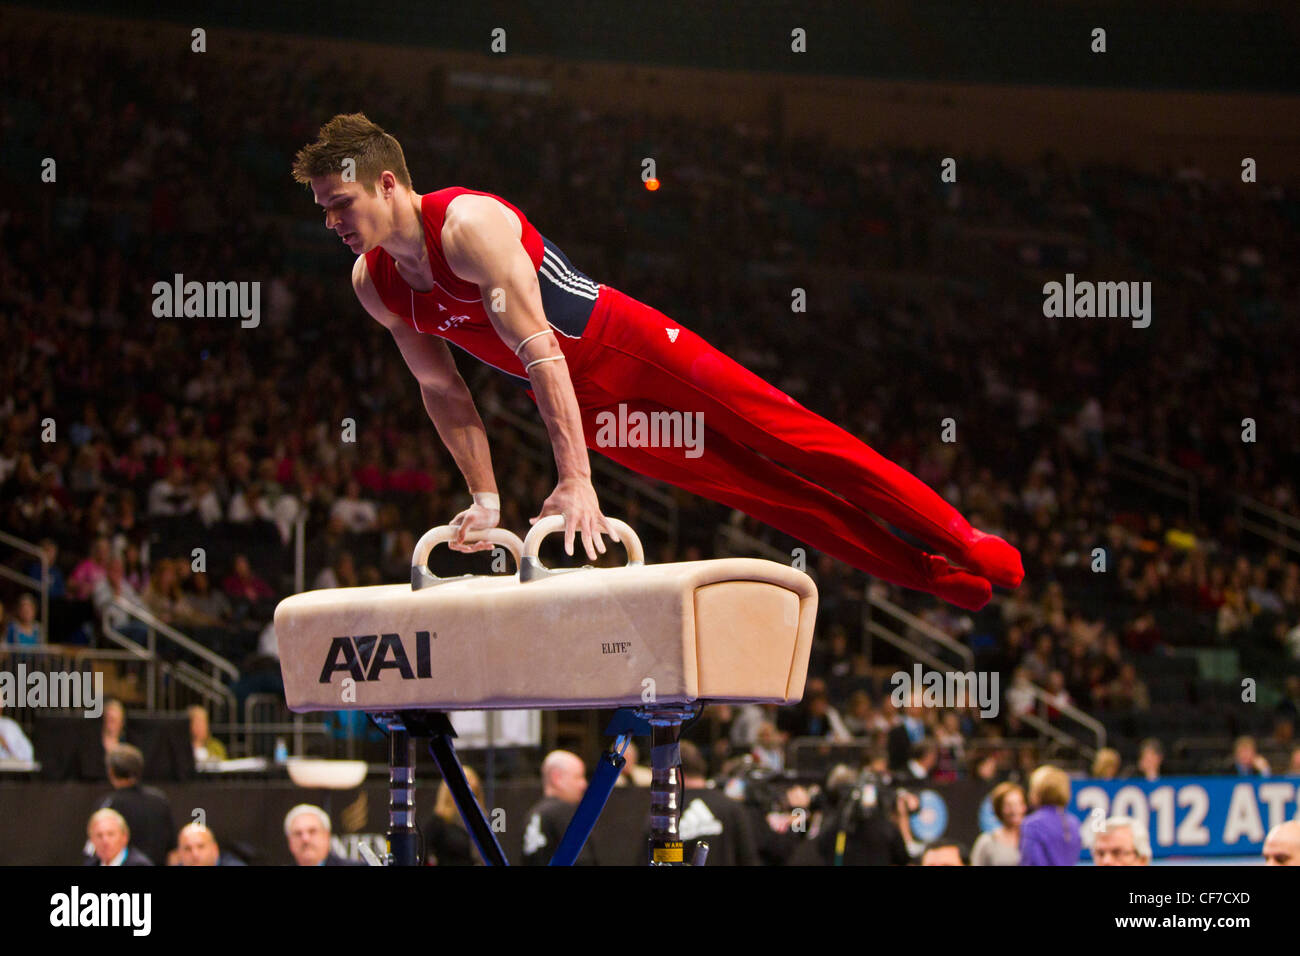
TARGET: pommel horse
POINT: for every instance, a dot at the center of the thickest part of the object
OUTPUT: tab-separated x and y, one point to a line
655	641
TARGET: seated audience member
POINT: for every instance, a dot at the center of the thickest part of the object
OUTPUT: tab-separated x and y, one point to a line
197	846
23	629
206	747
213	607
1001	847
145	809
1282	845
945	853
90	571
1105	766
1121	841
1246	759
446	842
307	828
110	836
50	551
14	744
243	585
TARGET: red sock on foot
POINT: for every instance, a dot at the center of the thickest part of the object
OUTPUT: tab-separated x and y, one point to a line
966	590
993	558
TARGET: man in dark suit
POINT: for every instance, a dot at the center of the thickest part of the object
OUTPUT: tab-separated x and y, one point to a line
198	846
147	813
110	835
307	828
564	781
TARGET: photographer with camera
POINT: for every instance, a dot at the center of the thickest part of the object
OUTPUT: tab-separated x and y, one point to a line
864	822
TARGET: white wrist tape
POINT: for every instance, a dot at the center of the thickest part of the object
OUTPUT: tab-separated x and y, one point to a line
552	358
520	347
488	499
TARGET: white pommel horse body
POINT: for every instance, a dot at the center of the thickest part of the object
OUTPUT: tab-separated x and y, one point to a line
656	641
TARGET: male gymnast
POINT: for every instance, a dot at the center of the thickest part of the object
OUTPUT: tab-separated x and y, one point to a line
467	267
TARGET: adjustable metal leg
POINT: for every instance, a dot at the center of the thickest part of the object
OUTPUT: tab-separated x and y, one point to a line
403	837
401	728
666	781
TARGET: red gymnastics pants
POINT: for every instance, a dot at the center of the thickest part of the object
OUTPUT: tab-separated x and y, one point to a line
755	439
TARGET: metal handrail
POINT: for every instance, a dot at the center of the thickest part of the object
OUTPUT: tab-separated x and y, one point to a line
1067	710
146	617
1184	485
43	585
906	646
1247	505
925	627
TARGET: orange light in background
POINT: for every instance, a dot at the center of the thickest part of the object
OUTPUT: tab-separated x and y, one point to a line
652	184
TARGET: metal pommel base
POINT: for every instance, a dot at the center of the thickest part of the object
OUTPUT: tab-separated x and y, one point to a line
662	723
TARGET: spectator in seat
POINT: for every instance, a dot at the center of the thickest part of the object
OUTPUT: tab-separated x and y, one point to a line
206	747
1001	847
50	551
89	572
307	828
197	846
242	584
1150	756
944	853
1126	692
115	587
23	629
769	747
1246	759
343	574
1049	836
1282	845
164	597
171	495
356	513
1105	766
147	811
1122	841
446	841
110	837
212	607
14	744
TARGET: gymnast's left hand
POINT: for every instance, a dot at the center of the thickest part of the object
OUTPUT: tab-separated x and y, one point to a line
476	517
575	498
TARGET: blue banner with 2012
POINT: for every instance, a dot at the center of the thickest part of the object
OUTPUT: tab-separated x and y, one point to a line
1192	816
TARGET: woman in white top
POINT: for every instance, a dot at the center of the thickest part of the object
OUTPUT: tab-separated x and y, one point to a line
1001	847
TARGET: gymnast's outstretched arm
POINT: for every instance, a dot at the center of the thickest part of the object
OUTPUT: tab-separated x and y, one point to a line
482	246
450	407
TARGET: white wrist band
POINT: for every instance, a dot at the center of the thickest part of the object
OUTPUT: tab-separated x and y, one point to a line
520	347
488	499
552	358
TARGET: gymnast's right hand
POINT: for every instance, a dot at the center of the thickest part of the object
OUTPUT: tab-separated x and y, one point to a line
476	517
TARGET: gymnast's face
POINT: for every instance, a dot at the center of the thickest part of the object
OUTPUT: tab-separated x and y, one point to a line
357	215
